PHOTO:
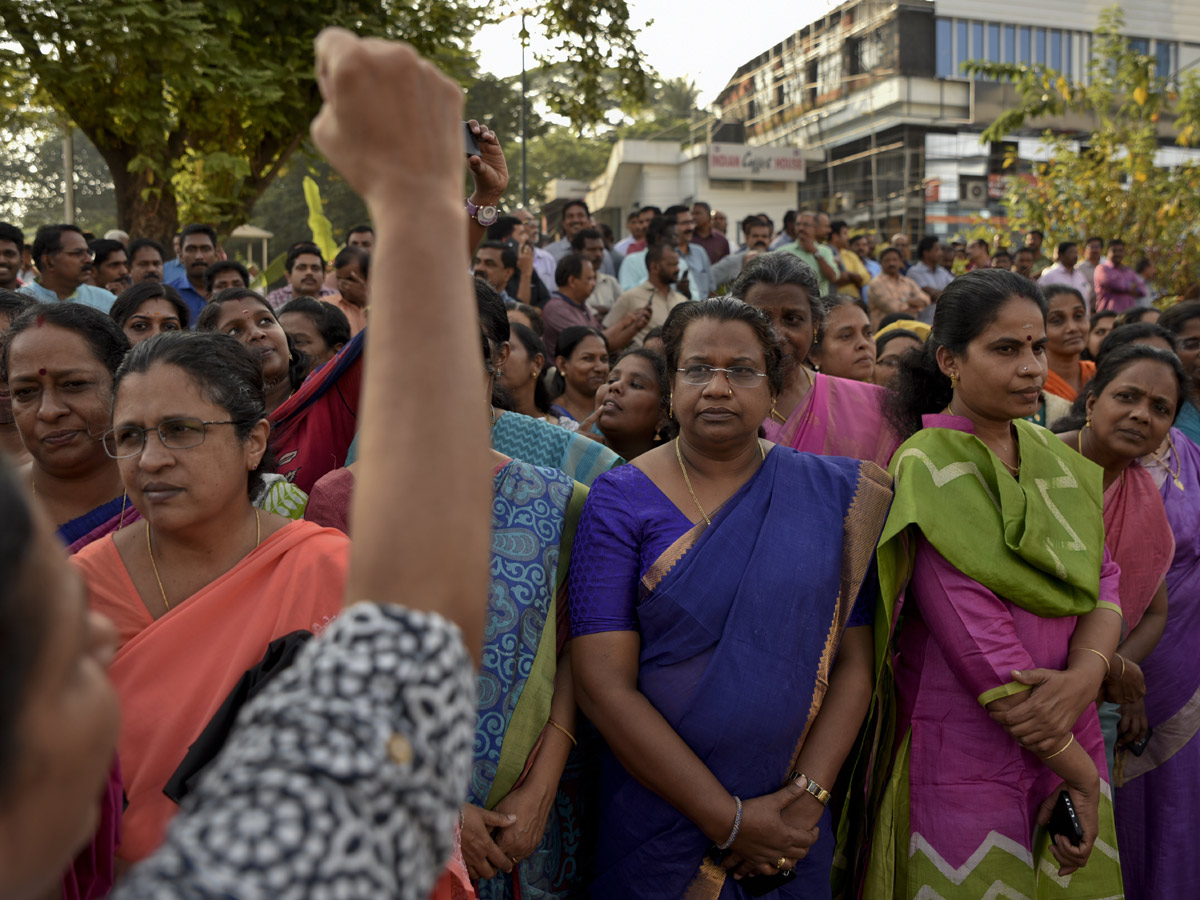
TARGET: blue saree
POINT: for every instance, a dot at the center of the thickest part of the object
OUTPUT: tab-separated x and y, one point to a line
740	624
538	442
534	514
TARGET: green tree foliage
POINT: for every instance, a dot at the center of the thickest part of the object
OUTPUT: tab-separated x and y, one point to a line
1103	181
197	105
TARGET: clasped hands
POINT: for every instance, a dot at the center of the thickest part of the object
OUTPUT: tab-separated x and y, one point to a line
781	825
496	840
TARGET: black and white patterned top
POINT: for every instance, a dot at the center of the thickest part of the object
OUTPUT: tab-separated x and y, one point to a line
343	779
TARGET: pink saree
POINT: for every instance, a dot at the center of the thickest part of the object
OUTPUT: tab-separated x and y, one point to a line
839	417
1139	537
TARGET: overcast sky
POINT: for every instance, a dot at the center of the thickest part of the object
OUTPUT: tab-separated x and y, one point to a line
705	41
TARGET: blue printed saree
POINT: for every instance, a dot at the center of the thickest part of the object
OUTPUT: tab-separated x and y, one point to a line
534	514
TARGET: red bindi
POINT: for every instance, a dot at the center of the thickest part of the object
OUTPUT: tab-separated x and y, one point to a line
41	320
41	371
1029	337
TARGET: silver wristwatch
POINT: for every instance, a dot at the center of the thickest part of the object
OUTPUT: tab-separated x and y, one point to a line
484	215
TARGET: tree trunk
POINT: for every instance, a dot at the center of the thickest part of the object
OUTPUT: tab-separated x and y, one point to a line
155	215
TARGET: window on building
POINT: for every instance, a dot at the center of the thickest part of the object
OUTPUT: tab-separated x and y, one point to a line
1068	52
961	50
993	43
1023	44
1039	45
1164	59
1140	45
1055	56
943	41
1010	43
978	51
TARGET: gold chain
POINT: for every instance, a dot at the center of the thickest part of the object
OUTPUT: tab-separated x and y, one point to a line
776	414
688	481
1165	463
154	565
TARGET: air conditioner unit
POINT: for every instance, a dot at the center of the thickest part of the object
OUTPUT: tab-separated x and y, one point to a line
973	192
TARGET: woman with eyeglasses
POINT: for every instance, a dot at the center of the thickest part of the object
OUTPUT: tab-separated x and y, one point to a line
720	643
58	361
1183	321
814	412
313	417
208	588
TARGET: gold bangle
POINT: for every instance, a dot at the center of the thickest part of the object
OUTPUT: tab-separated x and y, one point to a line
1070	741
570	737
1107	667
1122	659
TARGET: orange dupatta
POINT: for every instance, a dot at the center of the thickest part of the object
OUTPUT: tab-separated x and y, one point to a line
172	674
1057	386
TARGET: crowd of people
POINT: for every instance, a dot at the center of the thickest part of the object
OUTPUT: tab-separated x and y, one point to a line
813	567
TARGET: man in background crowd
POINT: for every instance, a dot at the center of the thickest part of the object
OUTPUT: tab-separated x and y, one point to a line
145	261
12	246
64	268
713	242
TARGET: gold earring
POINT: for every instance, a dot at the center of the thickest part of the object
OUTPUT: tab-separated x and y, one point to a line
671	407
953	381
1088	422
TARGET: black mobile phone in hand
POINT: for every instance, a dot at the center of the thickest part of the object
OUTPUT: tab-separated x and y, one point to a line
469	141
1064	821
1137	748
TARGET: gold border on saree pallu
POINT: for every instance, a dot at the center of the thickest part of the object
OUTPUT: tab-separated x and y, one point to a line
861	528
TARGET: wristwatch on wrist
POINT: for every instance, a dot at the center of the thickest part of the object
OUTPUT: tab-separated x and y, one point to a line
484	215
822	796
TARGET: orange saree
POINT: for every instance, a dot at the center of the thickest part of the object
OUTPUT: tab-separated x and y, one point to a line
172	674
1057	385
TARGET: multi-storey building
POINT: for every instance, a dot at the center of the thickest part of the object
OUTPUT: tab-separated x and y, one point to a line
876	88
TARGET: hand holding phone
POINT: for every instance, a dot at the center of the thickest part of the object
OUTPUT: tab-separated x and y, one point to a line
1064	821
469	141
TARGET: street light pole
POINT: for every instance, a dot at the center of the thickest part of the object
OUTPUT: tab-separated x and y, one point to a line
68	173
524	141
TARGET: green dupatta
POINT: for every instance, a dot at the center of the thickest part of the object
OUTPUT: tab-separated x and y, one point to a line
1037	540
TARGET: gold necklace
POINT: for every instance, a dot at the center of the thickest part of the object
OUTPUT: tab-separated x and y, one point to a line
776	414
688	481
154	565
1165	463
